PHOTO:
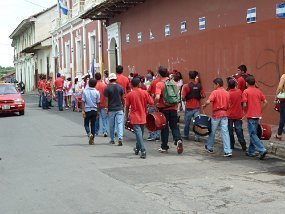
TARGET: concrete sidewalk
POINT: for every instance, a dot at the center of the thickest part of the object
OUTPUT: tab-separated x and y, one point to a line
273	146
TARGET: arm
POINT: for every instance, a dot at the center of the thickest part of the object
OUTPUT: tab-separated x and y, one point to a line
280	86
206	104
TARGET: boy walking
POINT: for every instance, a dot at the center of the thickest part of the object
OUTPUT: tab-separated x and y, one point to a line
169	111
137	100
90	107
220	104
253	102
114	101
192	93
235	114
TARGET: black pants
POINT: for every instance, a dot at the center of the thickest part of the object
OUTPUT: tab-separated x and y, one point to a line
90	120
171	121
237	126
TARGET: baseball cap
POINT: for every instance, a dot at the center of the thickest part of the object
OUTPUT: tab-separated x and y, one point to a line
112	76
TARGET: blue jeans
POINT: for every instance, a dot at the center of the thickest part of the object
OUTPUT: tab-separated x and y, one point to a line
40	98
60	100
104	122
139	129
89	121
171	121
116	119
44	101
155	134
237	126
189	115
282	118
255	142
223	123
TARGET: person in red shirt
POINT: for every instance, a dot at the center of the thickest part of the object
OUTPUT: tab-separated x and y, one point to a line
192	93
153	136
241	77
40	90
253	102
58	86
100	86
170	114
220	99
45	93
49	87
137	100
122	80
235	114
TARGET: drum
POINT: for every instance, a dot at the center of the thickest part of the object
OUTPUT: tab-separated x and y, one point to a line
155	121
264	132
202	125
129	126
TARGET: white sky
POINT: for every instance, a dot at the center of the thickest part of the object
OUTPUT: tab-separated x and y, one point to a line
12	12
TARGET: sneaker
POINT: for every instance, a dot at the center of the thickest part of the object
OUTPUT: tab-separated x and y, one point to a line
120	143
105	135
162	150
157	139
91	139
143	155
179	147
136	151
228	155
262	156
208	150
150	139
112	142
250	155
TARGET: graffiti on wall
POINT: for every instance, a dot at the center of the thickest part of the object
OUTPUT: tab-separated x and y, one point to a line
275	63
172	62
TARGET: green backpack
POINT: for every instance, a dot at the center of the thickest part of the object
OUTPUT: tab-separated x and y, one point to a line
170	93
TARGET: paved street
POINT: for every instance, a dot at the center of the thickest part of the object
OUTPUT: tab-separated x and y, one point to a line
48	167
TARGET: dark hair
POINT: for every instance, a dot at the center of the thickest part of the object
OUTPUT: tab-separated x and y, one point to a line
193	74
113	80
242	68
218	81
250	80
106	72
97	76
163	72
69	78
178	75
231	83
119	69
135	82
92	83
75	80
131	74
58	74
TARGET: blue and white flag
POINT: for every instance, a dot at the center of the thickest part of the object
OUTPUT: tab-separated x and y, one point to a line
92	69
202	23
280	10
63	8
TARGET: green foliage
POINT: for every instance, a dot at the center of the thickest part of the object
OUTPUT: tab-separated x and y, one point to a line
5	70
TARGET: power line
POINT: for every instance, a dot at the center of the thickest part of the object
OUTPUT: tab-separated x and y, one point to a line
35	4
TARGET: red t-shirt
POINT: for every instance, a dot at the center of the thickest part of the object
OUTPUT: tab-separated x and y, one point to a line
192	103
220	99
152	87
123	81
159	90
253	97
241	83
58	84
40	84
235	109
138	100
100	86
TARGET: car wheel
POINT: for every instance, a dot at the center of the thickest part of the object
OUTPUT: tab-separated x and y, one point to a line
21	112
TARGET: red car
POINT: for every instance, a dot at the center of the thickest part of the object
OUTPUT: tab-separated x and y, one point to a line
10	99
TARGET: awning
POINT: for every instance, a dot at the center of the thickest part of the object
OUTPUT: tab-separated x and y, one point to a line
39	45
109	9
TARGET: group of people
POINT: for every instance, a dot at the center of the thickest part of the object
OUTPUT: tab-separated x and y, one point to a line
118	99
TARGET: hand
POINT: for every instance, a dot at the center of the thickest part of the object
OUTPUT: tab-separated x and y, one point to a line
106	111
83	114
204	106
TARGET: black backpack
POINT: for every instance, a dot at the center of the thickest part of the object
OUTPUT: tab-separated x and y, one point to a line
195	91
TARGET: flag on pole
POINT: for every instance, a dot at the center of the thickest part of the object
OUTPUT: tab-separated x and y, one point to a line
63	7
92	68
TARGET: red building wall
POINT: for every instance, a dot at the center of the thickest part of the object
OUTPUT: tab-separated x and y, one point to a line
227	41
